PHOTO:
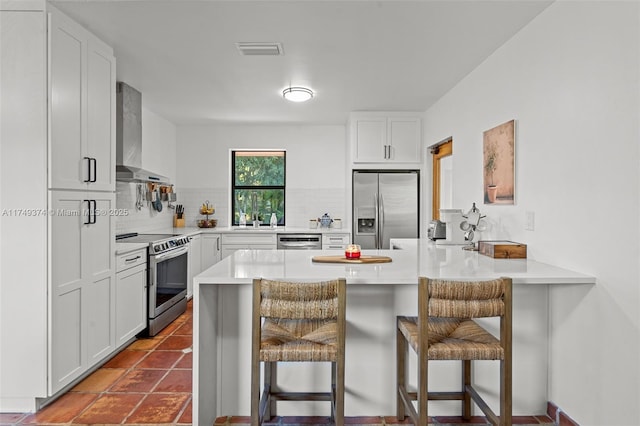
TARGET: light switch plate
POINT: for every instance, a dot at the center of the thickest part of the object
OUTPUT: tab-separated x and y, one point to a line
529	221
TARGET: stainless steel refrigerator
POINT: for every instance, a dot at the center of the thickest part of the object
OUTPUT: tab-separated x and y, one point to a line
386	204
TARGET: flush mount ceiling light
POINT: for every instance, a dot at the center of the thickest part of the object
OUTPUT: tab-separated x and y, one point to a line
297	94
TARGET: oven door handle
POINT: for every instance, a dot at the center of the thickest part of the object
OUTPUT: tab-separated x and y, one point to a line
171	254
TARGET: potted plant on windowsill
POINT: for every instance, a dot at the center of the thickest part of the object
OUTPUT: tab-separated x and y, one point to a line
490	166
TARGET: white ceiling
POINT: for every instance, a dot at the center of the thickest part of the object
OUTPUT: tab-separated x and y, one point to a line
356	55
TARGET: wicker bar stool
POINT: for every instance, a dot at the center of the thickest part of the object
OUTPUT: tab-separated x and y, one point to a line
444	330
297	322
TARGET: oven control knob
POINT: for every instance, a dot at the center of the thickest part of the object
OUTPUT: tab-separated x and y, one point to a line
156	248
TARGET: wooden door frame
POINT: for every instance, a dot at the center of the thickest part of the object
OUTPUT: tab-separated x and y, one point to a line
438	152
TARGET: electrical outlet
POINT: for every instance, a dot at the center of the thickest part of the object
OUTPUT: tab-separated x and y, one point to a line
529	221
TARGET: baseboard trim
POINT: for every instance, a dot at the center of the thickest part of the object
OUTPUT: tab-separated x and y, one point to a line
559	416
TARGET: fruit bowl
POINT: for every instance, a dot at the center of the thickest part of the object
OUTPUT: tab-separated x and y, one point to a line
209	210
207	223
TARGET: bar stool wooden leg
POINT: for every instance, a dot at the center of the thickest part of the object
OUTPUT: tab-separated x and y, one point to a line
401	350
423	395
339	417
466	381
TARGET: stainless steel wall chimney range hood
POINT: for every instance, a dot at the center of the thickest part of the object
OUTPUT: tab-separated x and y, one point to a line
129	137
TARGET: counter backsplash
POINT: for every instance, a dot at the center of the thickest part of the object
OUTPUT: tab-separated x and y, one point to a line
302	205
144	220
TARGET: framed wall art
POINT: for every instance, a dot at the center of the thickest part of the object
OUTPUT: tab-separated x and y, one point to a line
499	164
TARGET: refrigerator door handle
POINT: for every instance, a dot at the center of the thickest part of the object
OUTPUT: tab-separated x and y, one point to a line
381	226
376	211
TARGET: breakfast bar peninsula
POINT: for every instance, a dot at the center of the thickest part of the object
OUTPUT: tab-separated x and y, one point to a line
376	293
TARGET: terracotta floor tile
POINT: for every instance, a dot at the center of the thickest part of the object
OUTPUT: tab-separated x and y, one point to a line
169	329
363	420
100	380
109	409
186	361
186	417
175	381
125	359
159	408
160	359
10	418
459	420
62	410
185	329
393	420
524	420
173	343
544	419
301	420
146	344
138	381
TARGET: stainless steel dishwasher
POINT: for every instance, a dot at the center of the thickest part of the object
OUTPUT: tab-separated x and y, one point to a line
299	242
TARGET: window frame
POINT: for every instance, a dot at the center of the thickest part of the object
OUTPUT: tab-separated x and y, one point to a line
234	187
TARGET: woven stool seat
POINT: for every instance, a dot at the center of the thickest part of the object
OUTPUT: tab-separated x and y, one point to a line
297	322
445	330
298	340
453	338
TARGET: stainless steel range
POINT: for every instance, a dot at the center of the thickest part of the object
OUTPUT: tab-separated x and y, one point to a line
167	275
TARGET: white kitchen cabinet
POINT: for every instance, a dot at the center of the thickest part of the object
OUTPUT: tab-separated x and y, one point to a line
210	250
335	241
56	101
195	261
82	259
386	137
131	295
247	240
82	94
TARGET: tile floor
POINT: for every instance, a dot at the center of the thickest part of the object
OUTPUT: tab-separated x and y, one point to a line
149	383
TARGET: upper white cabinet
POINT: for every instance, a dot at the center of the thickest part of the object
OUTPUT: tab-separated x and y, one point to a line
386	137
82	107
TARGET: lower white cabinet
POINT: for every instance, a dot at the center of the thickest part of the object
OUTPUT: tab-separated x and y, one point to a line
248	240
82	259
335	241
195	261
131	295
210	250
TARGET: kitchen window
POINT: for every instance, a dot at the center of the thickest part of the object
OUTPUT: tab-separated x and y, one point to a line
258	185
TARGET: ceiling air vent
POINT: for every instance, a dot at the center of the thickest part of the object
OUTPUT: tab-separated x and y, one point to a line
260	49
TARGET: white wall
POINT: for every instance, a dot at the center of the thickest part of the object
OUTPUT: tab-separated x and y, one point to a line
316	158
571	81
158	156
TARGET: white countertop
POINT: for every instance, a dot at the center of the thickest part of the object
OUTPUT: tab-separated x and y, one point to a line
423	259
124	247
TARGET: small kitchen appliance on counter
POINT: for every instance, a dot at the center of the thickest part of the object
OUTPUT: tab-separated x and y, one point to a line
436	230
454	235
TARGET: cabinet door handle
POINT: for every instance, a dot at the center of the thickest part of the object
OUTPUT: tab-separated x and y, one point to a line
88	179
218	243
88	222
95	169
131	259
95	207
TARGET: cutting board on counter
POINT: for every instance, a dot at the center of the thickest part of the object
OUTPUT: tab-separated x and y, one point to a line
342	259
